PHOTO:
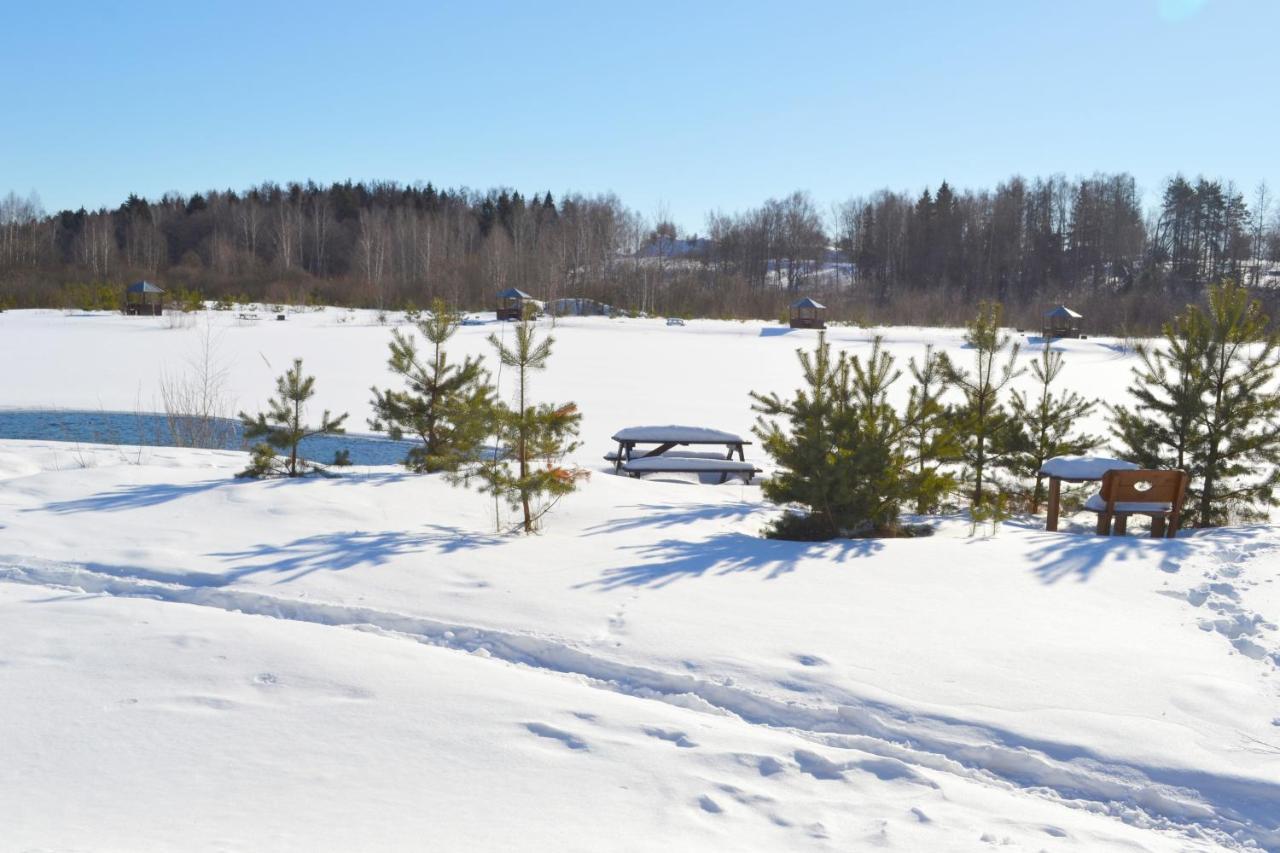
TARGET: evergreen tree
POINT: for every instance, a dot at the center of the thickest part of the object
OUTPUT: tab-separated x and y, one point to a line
447	406
1241	421
1163	430
530	475
987	434
931	440
842	453
1048	420
1206	403
282	427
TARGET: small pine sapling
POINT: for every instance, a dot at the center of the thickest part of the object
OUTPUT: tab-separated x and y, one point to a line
987	434
1206	403
931	440
447	406
1241	421
1048	421
282	427
530	474
841	453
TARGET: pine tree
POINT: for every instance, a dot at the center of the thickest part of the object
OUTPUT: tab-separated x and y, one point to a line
988	435
841	455
447	406
1206	403
1242	412
530	475
1163	430
931	440
1048	420
283	429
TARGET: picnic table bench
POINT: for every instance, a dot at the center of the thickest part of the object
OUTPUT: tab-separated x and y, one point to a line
660	459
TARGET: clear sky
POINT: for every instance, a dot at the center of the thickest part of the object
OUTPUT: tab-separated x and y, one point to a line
694	105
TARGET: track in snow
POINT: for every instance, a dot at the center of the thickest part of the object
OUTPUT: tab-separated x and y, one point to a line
1227	810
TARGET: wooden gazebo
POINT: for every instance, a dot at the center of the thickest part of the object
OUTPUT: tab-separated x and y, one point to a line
143	298
808	314
511	304
1062	322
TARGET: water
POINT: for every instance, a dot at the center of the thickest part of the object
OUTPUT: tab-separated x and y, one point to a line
153	430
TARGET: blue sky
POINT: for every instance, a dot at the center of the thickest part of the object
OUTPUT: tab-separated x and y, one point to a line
693	106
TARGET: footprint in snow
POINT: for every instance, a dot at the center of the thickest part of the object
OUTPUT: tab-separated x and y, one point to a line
709	805
810	660
680	739
769	766
817	766
568	739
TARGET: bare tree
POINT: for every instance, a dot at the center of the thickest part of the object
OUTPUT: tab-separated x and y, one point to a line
197	402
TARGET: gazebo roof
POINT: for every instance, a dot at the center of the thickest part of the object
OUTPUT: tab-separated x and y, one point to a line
513	293
143	287
807	303
1062	312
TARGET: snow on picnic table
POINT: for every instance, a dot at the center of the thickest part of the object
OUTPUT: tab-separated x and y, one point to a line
679	434
1084	467
361	663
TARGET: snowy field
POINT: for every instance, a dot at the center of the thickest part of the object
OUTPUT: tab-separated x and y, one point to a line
194	662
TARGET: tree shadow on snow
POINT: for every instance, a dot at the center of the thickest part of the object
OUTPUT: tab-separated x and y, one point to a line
133	497
1063	556
1079	555
672	559
144	495
346	550
670	515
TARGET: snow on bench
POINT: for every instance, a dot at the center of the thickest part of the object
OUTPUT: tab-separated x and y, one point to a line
690	465
612	455
671	464
1097	504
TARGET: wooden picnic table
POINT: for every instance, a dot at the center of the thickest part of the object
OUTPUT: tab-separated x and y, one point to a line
1075	469
667	438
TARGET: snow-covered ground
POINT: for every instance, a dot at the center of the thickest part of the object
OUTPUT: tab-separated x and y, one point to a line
190	661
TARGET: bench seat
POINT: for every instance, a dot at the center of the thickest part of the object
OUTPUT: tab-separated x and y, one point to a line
684	465
612	455
671	464
1097	504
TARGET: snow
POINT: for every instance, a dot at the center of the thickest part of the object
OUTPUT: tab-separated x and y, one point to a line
674	433
1097	504
1084	467
196	662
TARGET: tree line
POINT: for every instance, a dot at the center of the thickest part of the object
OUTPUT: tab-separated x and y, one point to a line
891	257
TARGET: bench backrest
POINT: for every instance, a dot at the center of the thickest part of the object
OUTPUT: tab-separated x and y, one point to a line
1145	486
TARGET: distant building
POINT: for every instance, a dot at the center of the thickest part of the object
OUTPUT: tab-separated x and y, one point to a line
808	314
1062	322
143	298
511	304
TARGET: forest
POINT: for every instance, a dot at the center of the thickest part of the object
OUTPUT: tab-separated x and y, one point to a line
889	257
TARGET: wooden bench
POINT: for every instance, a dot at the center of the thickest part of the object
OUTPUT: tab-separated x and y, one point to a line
1157	494
690	465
